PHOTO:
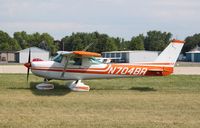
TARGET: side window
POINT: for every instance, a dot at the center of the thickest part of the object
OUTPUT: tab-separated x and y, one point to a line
75	61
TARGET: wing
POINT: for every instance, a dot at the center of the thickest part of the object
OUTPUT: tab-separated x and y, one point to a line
65	53
81	53
88	54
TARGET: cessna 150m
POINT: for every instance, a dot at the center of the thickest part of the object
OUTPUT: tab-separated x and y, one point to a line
81	65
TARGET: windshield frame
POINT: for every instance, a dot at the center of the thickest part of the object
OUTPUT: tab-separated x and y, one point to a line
58	58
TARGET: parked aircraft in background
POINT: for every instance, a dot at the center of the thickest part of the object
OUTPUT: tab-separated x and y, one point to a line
81	65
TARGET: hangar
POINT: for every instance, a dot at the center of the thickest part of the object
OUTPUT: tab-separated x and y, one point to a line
22	56
131	56
7	56
193	55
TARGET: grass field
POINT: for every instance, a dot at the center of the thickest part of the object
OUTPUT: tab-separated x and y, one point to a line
153	102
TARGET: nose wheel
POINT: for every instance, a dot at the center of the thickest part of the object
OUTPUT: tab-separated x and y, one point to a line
45	85
78	86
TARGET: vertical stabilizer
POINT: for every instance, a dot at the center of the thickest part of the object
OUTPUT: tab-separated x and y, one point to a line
171	52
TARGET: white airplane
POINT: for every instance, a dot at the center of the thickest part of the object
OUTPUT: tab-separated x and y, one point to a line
81	65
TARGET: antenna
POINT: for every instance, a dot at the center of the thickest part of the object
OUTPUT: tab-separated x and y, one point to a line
88	46
176	37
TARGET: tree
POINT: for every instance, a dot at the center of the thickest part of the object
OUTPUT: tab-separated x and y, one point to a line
14	46
124	45
22	39
7	43
157	40
43	41
137	43
4	39
100	42
47	42
191	42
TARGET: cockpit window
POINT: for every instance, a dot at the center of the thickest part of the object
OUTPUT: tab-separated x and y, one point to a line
94	61
58	58
77	61
74	60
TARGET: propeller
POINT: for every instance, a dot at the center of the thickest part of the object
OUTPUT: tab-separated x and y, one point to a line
28	64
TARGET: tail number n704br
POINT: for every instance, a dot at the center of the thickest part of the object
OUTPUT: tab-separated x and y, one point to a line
127	71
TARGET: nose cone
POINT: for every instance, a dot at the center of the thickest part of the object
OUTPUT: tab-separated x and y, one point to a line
28	65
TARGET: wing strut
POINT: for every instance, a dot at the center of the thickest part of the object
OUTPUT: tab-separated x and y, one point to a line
65	67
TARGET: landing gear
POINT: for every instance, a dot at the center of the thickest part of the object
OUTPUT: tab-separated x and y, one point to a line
78	86
45	85
46	80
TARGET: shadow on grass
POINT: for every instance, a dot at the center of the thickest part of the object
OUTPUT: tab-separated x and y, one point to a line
59	90
143	89
106	89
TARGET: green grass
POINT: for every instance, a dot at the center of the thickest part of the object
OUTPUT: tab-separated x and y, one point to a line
149	102
10	64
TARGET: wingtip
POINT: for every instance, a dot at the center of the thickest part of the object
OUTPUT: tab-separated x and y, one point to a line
178	41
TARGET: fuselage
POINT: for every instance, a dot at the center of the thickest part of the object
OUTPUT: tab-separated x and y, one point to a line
54	70
80	65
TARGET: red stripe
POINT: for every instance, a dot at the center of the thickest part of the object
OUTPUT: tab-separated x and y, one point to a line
167	69
81	87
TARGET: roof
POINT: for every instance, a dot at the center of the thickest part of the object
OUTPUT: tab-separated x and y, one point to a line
131	51
195	50
33	49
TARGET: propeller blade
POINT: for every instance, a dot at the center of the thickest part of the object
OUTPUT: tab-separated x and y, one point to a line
27	76
29	63
29	56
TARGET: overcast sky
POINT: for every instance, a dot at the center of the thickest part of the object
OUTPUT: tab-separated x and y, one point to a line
118	18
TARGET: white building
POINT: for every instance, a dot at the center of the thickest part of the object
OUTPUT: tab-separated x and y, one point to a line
131	56
22	56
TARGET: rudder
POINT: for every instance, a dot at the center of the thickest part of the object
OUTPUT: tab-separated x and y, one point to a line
171	52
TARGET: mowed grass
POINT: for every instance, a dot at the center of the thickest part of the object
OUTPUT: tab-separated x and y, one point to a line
149	102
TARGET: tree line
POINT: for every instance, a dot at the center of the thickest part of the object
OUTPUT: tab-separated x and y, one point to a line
152	41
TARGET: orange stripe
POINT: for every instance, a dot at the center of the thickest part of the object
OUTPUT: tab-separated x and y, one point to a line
83	53
82	87
178	41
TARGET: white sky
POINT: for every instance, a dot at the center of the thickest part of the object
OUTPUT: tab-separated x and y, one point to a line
122	18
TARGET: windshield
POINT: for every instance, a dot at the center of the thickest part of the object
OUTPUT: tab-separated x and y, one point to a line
58	58
94	61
